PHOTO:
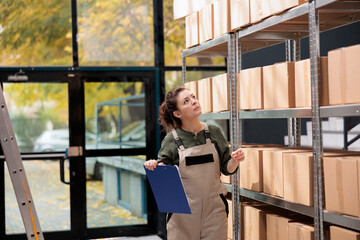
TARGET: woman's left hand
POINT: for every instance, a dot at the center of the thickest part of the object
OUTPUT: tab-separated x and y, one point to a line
238	155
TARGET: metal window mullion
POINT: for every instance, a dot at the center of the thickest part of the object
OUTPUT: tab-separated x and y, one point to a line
74	29
234	126
314	46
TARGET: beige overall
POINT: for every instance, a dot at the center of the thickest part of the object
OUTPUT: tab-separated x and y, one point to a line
200	172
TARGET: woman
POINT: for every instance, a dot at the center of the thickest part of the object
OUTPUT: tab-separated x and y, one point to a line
201	152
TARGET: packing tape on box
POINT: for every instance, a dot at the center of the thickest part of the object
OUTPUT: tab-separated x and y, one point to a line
274	87
271	180
251	90
298	232
307	84
277	232
248	173
293	182
342	74
339	184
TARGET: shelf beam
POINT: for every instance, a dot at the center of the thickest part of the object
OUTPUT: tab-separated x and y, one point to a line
215	116
278	202
352	110
277	113
342	220
217	47
329	217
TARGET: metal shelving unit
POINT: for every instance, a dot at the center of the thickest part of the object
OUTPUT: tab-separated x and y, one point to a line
216	116
224	46
307	20
352	110
278	202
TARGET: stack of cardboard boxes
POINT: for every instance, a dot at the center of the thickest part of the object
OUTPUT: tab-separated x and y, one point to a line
285	85
278	171
208	19
213	93
288	174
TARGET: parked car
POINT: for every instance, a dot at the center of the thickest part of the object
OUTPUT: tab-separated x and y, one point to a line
58	141
52	141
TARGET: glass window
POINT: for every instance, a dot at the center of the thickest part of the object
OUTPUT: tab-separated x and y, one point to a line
115	115
39	114
115	33
174	78
35	33
51	198
118	196
174	35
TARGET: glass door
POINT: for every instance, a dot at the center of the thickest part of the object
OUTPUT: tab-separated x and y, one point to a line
112	118
119	121
39	116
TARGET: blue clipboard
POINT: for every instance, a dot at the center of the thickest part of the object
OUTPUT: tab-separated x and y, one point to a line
168	189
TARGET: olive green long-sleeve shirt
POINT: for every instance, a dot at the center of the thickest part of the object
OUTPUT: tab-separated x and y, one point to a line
169	155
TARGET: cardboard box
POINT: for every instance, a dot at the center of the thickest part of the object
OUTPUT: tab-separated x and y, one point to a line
193	87
183	8
251	169
273	182
240	13
230	221
192	29
220	92
259	9
279	85
254	223
298	178
205	94
303	83
300	231
225	178
286	4
338	233
298	175
342	184
206	23
251	89
277	227
279	6
273	172
222	18
344	72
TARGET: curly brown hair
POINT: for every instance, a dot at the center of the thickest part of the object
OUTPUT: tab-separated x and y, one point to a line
167	108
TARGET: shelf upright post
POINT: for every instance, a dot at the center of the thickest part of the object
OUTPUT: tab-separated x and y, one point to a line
289	120
239	227
297	121
317	145
183	68
234	125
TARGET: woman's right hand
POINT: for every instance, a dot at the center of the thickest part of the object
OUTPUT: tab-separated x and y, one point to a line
151	164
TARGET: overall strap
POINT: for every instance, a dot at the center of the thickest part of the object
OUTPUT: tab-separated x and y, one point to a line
207	133
177	140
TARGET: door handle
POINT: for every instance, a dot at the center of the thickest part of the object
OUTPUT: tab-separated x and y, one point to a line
62	170
73	151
